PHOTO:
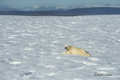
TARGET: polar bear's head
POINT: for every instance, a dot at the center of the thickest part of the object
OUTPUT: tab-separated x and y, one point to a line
67	47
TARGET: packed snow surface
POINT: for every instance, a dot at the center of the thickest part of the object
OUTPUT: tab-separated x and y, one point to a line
31	47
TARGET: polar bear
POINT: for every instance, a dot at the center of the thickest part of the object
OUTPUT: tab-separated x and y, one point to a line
75	51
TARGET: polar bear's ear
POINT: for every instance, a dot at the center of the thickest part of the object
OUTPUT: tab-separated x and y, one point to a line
66	45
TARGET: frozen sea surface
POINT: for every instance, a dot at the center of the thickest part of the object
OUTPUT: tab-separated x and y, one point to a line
31	47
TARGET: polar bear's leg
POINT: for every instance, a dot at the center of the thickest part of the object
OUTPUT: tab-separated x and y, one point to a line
67	52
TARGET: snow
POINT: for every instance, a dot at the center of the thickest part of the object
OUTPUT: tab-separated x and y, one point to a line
31	47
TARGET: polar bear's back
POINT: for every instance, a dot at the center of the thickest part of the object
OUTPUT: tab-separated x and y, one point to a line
79	51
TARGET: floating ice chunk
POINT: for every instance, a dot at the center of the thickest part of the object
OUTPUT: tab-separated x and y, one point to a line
55	41
118	30
12	36
51	74
13	41
58	57
15	62
5	44
88	63
94	59
103	68
25	57
77	68
11	28
28	49
25	34
101	72
31	44
7	53
96	28
50	66
73	22
77	79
